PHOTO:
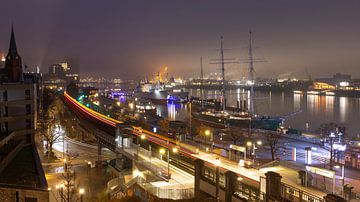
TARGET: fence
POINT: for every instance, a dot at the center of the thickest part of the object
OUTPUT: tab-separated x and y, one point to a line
297	195
175	194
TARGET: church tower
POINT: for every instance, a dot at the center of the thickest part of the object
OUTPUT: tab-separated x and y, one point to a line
13	64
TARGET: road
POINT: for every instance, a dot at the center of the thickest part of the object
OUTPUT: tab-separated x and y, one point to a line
93	180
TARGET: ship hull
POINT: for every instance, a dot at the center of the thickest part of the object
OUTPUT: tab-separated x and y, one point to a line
264	123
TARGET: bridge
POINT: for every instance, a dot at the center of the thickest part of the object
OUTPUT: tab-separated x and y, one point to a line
183	170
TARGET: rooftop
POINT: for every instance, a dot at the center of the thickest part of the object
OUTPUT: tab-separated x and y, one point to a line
23	171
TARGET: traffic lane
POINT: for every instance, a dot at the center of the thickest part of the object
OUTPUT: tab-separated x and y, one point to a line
82	152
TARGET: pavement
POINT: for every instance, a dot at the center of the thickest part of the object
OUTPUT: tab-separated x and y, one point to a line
93	180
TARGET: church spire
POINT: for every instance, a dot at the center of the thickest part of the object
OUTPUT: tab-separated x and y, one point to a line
13	65
12	46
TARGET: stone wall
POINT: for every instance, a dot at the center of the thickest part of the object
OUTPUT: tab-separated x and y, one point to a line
11	194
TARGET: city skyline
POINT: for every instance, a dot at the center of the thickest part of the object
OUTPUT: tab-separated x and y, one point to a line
136	39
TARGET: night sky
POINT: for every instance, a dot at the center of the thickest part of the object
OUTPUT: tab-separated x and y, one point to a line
131	39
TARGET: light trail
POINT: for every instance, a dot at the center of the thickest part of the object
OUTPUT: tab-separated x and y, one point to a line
152	137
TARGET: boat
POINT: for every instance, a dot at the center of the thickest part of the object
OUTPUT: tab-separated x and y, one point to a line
241	118
223	119
158	93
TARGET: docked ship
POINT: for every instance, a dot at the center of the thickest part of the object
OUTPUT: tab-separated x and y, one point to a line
223	119
241	118
160	92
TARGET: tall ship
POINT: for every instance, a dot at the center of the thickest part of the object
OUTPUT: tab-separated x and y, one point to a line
160	90
221	116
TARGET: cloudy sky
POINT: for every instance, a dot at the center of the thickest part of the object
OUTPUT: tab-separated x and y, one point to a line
135	38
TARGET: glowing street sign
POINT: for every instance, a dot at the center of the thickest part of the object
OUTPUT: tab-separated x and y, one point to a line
237	148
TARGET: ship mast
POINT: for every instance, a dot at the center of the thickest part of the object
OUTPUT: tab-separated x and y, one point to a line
251	74
222	61
202	82
222	73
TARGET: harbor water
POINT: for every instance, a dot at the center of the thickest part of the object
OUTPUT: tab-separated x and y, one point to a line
301	111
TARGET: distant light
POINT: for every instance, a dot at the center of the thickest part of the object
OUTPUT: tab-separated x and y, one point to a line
3	59
344	83
175	150
142	136
154	130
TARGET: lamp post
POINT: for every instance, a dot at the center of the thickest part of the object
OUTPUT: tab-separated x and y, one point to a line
331	137
253	144
217	164
81	192
161	151
208	133
142	137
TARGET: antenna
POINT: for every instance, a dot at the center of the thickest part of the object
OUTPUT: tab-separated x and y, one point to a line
222	62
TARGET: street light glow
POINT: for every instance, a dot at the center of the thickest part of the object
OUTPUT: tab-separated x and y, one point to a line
248	144
142	136
162	151
175	150
207	132
81	191
259	142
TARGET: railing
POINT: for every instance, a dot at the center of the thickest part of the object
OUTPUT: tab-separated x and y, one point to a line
160	192
297	195
114	185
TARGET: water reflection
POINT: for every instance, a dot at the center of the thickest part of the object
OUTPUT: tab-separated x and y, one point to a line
329	106
343	105
297	102
315	109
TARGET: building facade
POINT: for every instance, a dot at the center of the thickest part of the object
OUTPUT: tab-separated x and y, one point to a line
21	175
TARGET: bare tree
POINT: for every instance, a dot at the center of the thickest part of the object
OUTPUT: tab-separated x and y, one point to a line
272	141
234	135
67	191
48	127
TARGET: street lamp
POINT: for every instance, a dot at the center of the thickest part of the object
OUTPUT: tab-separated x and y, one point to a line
81	192
207	134
253	144
142	137
161	151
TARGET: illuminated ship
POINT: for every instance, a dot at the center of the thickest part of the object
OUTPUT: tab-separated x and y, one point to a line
241	119
159	93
